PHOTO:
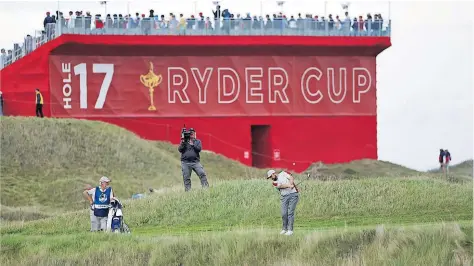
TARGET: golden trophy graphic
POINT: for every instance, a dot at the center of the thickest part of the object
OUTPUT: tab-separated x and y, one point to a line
151	81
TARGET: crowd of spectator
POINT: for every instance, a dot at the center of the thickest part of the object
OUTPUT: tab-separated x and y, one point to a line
221	22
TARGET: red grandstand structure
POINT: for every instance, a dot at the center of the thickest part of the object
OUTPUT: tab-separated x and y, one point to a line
274	100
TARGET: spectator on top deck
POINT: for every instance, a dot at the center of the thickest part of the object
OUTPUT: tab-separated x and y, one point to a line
299	22
208	24
173	24
78	22
190	22
355	26
48	19
114	21
347	23
330	23
217	13
338	23
375	24
3	58
60	18
368	23
70	20
360	24
201	24
268	22
226	14
163	24
9	57
182	22
87	21
99	24
292	23
108	22
28	44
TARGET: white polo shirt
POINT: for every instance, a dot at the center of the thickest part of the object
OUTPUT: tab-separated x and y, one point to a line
284	178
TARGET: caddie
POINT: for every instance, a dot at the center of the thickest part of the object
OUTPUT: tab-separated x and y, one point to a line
100	198
289	197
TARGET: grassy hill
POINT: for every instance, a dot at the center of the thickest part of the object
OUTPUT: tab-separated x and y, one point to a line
359	169
46	162
464	168
46	157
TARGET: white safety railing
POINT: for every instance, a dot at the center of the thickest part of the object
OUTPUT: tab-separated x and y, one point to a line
226	25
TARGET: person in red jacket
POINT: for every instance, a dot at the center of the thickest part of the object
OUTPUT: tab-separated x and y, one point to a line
99	24
447	159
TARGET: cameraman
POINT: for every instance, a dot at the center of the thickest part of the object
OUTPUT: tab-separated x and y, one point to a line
190	148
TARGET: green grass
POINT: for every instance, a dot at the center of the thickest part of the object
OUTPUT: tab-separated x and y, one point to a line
45	157
253	204
445	244
464	168
46	162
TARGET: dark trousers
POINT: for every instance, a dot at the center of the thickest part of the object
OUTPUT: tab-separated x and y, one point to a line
187	169
39	110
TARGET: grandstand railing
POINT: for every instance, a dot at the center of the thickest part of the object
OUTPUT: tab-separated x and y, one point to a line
152	26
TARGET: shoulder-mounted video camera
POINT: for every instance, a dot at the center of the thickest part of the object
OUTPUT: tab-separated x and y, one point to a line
186	134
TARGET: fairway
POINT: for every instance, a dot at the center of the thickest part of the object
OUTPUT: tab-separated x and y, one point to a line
376	213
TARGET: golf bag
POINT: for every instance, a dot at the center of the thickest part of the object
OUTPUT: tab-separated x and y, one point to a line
117	223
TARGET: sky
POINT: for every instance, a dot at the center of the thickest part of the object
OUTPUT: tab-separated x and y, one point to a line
424	81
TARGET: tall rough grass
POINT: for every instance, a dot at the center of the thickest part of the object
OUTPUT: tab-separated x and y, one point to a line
254	203
46	162
447	244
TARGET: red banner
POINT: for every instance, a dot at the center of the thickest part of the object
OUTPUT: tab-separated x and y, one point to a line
87	86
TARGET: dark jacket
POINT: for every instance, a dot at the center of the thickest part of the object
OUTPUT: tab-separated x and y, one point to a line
441	156
190	153
447	156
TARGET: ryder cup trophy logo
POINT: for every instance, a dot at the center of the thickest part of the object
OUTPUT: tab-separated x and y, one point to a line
151	81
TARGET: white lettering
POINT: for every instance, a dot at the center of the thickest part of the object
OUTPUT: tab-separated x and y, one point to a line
337	96
202	81
231	96
108	70
67	89
254	86
81	70
177	84
67	93
311	97
229	84
66	67
364	82
279	83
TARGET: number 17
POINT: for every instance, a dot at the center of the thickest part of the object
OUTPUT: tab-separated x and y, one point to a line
81	70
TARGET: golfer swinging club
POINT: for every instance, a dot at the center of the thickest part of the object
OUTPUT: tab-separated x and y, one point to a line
285	183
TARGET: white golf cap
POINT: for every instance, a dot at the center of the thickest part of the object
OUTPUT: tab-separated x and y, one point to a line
270	173
104	179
